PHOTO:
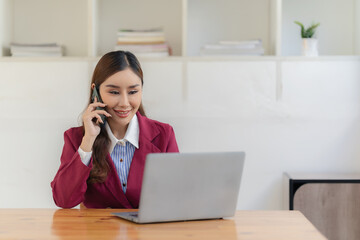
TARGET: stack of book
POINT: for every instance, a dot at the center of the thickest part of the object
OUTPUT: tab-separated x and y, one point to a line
251	47
143	43
36	50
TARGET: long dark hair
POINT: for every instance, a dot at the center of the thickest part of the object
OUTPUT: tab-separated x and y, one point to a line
108	65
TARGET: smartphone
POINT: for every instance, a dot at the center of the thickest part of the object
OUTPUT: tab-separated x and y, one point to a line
96	94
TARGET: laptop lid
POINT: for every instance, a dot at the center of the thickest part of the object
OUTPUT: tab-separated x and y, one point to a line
189	186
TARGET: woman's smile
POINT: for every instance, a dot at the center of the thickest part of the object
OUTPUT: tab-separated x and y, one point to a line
122	113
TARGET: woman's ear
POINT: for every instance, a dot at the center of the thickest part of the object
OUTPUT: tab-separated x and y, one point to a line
92	86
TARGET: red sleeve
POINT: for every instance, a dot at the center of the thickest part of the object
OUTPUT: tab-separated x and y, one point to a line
172	145
69	185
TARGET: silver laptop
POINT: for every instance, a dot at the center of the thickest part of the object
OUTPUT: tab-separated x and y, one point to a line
188	186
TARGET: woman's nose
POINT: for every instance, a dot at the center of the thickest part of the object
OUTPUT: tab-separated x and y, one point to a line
124	100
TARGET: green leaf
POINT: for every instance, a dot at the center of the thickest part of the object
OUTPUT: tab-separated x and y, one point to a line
309	32
302	27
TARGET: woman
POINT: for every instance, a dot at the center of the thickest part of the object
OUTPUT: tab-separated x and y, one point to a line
102	162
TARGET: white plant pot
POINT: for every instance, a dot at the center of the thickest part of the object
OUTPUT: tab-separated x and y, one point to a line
310	47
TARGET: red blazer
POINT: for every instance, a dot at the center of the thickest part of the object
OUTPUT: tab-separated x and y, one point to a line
70	187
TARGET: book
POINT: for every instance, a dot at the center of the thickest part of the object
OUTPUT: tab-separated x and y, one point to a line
152	54
45	49
248	47
143	42
143	48
140	34
156	29
256	52
34	45
139	43
253	42
35	54
219	46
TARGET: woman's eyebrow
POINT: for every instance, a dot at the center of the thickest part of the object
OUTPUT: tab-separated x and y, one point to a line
134	86
114	86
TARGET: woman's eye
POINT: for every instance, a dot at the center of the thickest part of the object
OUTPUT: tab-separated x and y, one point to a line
133	92
114	92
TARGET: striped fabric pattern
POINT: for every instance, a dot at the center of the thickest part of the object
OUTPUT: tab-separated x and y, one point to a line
122	156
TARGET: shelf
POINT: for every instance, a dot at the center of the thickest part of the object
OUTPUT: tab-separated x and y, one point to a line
43	21
141	14
88	28
338	31
211	21
191	59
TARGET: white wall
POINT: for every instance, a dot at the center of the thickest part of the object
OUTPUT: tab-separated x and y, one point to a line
38	101
287	114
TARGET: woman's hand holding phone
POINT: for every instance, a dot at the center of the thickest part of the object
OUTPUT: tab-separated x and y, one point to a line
92	129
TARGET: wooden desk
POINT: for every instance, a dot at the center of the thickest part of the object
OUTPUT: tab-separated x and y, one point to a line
40	224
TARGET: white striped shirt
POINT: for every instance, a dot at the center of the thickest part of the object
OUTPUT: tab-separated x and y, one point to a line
121	151
122	156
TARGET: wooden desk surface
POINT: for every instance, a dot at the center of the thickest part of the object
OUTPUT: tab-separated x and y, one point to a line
97	224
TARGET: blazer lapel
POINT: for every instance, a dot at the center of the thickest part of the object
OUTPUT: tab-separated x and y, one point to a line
114	185
148	131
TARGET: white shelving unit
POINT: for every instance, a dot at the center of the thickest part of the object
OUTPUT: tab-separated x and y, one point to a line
87	28
214	20
115	14
38	21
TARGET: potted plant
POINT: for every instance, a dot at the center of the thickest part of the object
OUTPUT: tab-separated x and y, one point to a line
309	43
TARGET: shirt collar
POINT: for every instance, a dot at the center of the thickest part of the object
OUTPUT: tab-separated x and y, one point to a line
131	135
